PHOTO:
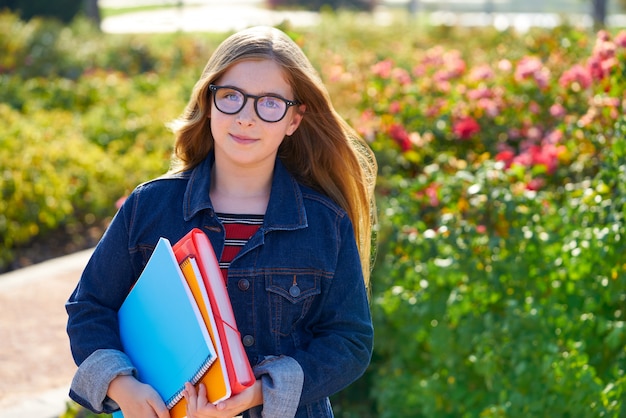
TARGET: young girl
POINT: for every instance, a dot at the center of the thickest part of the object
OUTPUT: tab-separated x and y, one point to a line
283	188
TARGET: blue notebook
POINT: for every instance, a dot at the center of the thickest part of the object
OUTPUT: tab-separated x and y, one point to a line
162	330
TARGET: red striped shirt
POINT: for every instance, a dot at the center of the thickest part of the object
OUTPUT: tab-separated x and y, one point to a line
239	230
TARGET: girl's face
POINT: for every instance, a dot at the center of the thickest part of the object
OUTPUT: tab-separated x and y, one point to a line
243	138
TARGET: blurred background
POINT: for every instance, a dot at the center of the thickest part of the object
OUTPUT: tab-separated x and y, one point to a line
498	286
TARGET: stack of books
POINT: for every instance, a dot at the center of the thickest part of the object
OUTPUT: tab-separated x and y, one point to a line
177	325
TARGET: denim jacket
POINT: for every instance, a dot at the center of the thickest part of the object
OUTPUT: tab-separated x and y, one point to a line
296	287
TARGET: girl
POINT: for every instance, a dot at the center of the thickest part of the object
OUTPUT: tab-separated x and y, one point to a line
283	188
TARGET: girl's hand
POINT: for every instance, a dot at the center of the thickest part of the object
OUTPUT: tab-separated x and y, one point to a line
136	399
198	405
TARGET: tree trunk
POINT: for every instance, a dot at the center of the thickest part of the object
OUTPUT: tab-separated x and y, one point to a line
92	11
599	13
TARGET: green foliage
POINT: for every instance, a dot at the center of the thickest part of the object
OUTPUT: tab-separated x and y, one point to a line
515	302
498	288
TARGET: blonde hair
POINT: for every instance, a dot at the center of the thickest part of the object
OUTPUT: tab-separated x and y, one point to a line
324	153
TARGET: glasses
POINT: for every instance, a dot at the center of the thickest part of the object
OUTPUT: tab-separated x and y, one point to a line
270	108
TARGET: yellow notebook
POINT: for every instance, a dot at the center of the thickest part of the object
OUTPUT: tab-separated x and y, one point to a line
216	378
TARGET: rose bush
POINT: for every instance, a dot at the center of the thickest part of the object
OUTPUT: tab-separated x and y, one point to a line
499	287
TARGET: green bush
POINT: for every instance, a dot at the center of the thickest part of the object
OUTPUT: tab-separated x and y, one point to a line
519	315
499	290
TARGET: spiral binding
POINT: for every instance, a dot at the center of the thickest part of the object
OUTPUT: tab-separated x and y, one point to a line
173	400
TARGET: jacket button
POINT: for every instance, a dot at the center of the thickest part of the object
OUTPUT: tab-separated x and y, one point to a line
294	291
243	284
248	340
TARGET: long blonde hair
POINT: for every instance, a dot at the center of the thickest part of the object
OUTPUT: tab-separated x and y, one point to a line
324	153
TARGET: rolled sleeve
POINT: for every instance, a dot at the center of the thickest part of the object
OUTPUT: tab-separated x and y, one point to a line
91	381
282	379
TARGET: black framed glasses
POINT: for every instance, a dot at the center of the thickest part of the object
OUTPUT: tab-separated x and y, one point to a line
269	108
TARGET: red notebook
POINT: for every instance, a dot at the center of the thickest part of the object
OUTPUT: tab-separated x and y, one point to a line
196	244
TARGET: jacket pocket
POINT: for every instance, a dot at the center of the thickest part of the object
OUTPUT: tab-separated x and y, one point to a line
291	295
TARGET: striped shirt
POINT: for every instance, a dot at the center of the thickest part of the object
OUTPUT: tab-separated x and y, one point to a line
239	229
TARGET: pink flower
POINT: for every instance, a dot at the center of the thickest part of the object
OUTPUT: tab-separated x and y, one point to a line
490	107
480	93
534	108
401	75
401	136
434	56
383	68
394	107
481	72
419	70
532	68
526	67
557	110
534	133
505	65
576	74
119	202
554	137
603	58
514	133
620	39
465	128
432	193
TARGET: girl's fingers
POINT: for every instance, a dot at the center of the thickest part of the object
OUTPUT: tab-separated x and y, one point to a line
202	394
190	396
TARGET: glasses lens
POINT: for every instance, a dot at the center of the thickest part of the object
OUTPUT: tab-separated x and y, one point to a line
229	100
271	108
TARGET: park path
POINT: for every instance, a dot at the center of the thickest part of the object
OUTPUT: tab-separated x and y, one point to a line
201	16
36	366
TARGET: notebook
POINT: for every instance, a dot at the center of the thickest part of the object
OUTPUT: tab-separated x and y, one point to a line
162	329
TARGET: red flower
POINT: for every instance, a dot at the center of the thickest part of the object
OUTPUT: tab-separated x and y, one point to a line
430	194
506	157
465	128
401	136
535	184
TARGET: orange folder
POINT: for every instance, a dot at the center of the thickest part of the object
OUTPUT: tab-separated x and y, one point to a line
239	373
216	378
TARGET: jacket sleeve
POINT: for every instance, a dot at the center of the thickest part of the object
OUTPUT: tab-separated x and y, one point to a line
92	324
342	348
91	381
93	305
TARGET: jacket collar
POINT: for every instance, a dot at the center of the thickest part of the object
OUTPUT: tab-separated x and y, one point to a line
285	210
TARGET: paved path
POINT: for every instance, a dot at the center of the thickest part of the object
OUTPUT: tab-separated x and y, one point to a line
36	366
203	16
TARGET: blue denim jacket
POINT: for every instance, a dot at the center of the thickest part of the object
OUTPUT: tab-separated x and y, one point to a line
296	287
